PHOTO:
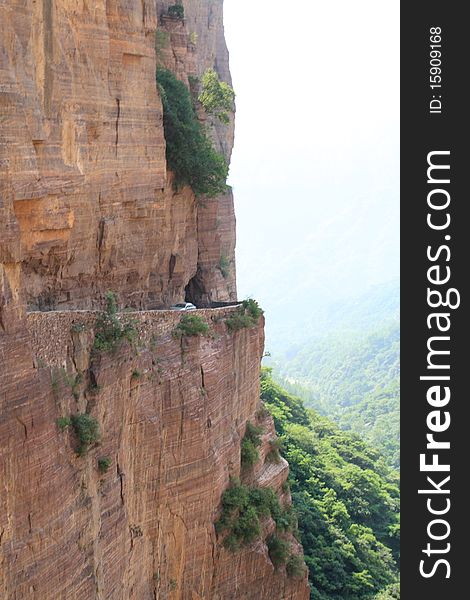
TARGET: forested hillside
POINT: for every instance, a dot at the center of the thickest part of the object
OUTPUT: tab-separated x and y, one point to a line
346	498
350	371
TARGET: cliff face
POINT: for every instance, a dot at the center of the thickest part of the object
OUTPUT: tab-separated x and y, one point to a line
87	205
172	413
82	163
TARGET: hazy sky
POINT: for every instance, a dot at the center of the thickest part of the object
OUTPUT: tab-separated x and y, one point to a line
315	163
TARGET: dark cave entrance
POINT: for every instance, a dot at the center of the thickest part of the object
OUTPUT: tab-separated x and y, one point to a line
195	291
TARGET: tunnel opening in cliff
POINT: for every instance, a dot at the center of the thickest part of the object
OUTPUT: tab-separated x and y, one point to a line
88	208
195	291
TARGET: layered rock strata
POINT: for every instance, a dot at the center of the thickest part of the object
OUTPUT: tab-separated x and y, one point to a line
172	412
85	191
87	205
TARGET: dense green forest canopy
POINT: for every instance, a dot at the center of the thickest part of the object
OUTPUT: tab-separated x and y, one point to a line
346	498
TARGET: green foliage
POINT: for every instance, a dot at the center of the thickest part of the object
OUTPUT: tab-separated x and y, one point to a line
136	374
176	10
278	550
189	150
216	96
250	443
74	383
295	566
354	379
285	518
274	454
247	527
63	423
191	325
246	315
346	498
249	454
162	41
235	497
242	509
110	331
252	308
253	433
104	463
239	320
224	266
87	430
391	592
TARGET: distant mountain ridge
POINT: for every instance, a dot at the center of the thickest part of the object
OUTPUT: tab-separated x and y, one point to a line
349	368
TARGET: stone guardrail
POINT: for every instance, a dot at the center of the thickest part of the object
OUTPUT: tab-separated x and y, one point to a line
51	332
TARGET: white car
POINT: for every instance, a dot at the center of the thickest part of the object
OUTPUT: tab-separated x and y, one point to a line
183	306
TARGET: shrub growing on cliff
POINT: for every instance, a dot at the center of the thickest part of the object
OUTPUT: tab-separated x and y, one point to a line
246	315
295	566
191	325
249	446
110	331
265	501
249	454
63	423
242	509
216	96
87	430
278	550
239	517
252	308
189	150
104	463
239	320
274	455
176	11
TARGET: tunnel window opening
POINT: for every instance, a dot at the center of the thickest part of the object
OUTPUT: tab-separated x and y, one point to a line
195	292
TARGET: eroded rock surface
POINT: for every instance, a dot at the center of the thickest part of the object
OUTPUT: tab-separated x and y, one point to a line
86	205
85	192
172	413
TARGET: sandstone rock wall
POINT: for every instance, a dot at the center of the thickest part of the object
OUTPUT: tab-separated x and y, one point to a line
86	205
86	197
188	48
83	148
172	413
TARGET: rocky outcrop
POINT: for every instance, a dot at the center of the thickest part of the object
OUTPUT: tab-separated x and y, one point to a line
83	155
188	47
172	412
87	205
85	190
